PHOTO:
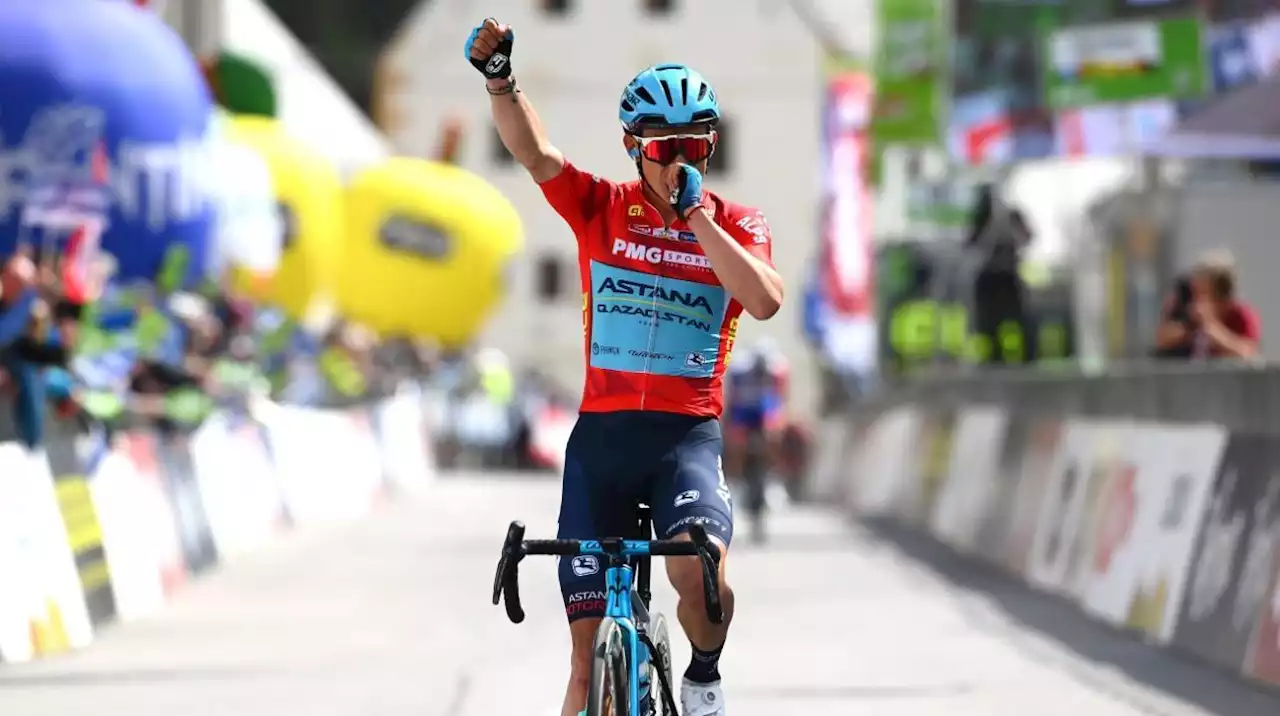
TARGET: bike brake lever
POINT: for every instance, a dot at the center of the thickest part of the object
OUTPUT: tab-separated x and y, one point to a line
506	582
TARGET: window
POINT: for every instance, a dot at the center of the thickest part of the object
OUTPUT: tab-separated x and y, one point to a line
550	282
722	161
557	7
659	7
498	153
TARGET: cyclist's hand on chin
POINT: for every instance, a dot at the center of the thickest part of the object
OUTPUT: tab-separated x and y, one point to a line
682	184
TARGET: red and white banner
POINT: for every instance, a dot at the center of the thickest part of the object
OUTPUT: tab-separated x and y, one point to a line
847	250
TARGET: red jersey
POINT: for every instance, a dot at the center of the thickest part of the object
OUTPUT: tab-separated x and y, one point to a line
658	326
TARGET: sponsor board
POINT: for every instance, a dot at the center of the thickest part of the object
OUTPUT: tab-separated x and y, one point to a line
1155	491
882	467
929	463
1231	559
1264	653
80	519
1035	470
1061	509
179	478
969	491
993	531
42	607
140	449
237	483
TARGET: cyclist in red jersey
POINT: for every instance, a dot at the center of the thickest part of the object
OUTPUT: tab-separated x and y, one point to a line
667	268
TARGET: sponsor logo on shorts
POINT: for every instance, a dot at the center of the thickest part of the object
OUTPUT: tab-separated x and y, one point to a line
585	603
585	565
687	497
710	523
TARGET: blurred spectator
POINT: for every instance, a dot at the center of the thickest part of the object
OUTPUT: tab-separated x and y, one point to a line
1176	329
1204	318
999	292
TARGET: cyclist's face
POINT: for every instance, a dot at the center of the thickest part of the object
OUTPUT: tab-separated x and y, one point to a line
658	153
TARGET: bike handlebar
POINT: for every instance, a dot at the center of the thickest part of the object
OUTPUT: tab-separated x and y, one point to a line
506	582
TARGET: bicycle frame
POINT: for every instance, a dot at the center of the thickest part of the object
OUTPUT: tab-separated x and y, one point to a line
619	606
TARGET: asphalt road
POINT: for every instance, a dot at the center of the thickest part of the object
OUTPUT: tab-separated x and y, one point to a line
391	616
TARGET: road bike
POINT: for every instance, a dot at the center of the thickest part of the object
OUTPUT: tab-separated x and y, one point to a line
631	643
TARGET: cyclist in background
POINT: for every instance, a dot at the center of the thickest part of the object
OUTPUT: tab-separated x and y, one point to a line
667	268
757	400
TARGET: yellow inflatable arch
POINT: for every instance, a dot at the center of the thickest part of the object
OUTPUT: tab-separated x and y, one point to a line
426	250
309	190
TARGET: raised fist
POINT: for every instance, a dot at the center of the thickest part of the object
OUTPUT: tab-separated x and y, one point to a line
489	49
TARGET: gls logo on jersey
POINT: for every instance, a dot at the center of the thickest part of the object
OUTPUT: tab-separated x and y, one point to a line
655	255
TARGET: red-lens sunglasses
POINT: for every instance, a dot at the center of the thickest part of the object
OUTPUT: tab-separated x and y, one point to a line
664	150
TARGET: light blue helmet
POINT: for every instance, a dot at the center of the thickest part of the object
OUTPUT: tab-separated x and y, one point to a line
668	96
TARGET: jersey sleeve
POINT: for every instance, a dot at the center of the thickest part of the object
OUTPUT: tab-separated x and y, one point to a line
577	196
750	229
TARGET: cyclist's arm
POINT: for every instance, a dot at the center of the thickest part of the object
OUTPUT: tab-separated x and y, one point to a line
522	133
747	273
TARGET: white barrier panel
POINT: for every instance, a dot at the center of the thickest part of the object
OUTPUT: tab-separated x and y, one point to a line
402	440
238	485
319	475
970	488
881	472
42	607
130	529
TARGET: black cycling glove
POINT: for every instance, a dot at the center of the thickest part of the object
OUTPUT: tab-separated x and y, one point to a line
498	65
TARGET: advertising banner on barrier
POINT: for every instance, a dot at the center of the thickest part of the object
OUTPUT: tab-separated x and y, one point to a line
80	517
133	533
1264	657
238	484
993	529
1111	454
881	468
969	492
42	607
1061	511
179	476
140	449
323	477
1154	490
927	465
398	423
1034	477
1233	555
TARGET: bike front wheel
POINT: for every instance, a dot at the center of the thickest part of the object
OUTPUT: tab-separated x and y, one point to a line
610	692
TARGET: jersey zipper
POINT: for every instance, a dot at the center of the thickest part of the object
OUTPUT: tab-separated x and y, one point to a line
653	339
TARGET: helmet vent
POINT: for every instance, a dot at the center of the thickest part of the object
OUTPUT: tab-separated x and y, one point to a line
664	68
702	92
643	94
666	88
628	106
684	90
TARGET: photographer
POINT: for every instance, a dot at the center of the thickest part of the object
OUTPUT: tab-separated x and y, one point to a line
1205	319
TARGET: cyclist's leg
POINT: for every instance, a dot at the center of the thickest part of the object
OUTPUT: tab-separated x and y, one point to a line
593	504
691	489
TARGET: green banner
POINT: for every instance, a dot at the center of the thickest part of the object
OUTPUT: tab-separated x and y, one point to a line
910	71
1123	62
